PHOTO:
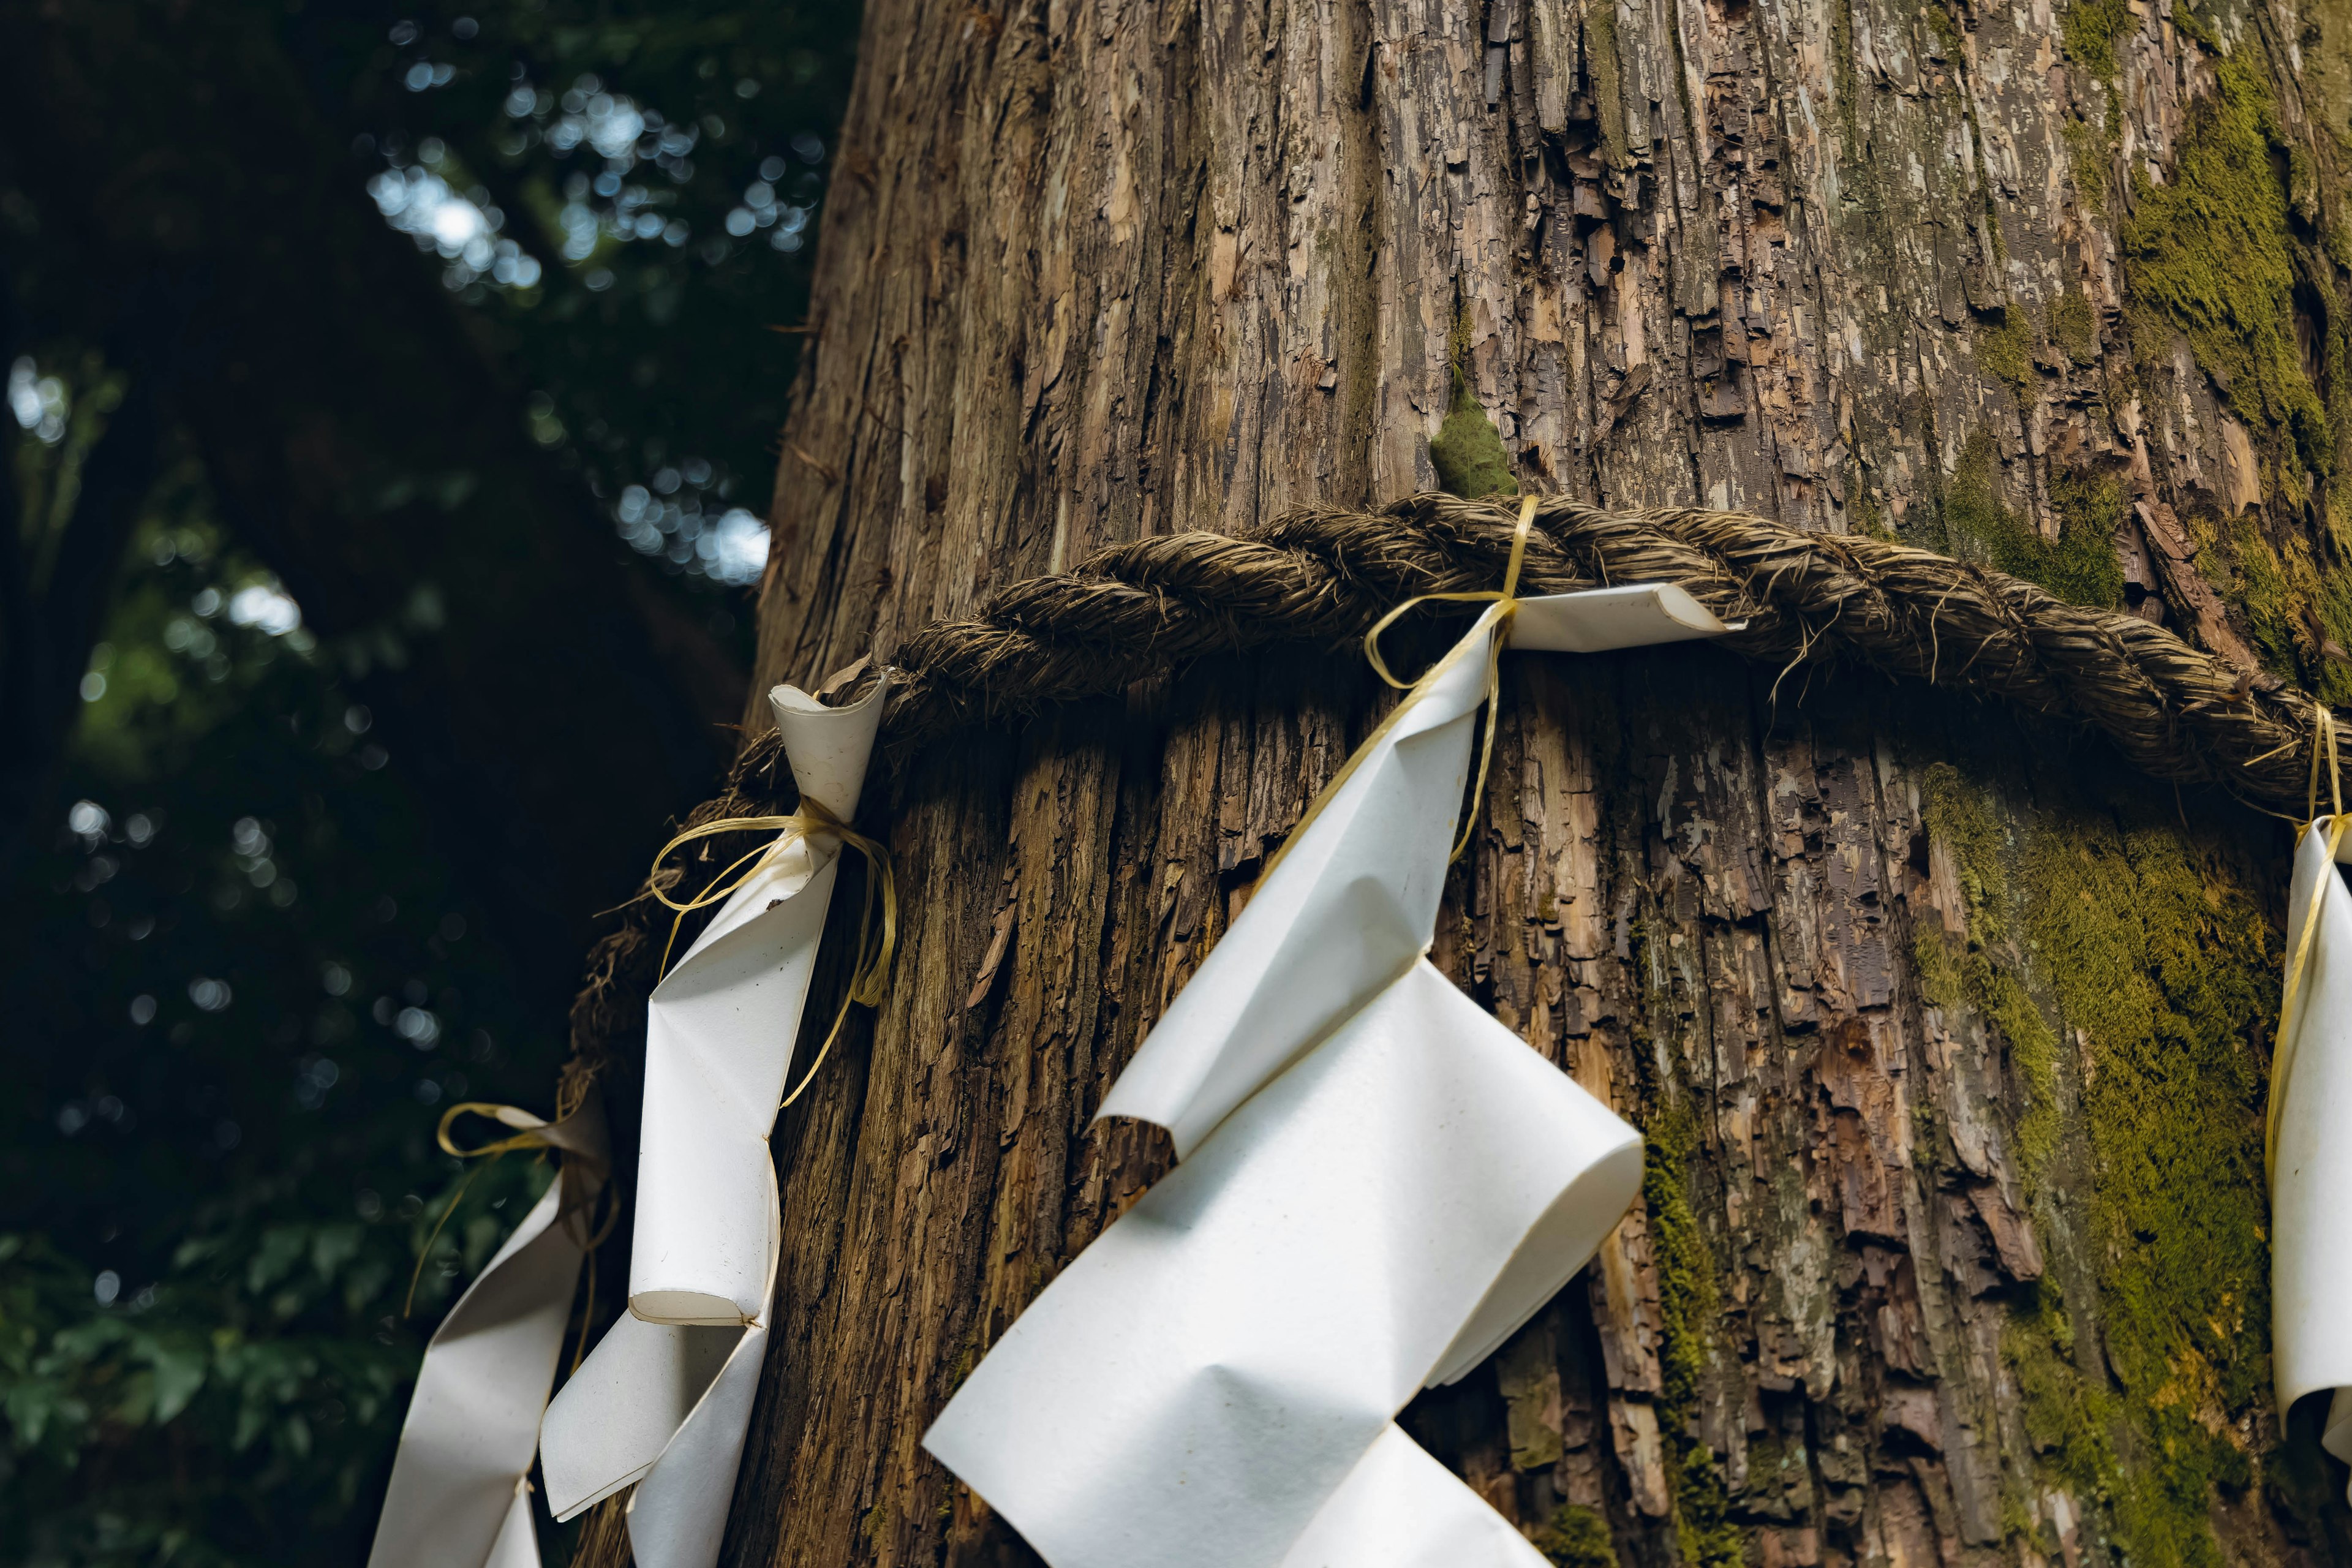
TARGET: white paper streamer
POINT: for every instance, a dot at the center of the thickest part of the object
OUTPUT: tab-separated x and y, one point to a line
459	1496
2311	1180
1379	1184
664	1400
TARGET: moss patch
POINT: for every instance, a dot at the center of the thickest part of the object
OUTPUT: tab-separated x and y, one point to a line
2080	567
2066	1420
2164	965
2090	153
1608	84
1686	1304
1577	1538
2208	253
2262	588
1940	21
2294	604
2091	28
2006	351
1467	452
1983	971
2074	327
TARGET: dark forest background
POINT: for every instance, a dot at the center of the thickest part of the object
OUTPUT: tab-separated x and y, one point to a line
389	421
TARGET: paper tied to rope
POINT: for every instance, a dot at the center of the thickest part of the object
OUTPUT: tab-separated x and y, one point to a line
1594	621
663	1401
460	1493
2308	1157
1378	1184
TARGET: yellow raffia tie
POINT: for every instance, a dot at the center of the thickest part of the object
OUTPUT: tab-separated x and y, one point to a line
584	1174
1506	602
2289	1038
876	940
1503	604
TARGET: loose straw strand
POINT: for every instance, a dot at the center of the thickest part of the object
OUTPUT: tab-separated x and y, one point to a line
1505	604
2289	1037
1508	608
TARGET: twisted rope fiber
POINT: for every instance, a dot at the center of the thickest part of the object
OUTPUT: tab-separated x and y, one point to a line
1322	575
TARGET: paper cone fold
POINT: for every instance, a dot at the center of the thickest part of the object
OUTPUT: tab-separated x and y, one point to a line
719	1032
2311	1177
1379	1184
829	747
456	1499
664	1401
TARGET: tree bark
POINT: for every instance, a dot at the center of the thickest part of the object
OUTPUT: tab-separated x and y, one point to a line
1947	1033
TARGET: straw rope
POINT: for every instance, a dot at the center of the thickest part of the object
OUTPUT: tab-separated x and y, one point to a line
1323	575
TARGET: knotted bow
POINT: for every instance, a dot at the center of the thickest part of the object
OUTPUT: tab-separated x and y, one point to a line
876	940
584	1174
1503	604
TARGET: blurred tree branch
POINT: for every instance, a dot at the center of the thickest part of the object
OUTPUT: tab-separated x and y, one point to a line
52	608
362	436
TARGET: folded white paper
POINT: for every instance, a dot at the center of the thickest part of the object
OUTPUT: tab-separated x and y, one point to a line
1379	1184
1640	614
719	1039
459	1497
2311	1171
1401	1509
664	1407
664	1400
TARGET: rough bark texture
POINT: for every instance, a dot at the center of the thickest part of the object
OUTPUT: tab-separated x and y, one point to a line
1946	1032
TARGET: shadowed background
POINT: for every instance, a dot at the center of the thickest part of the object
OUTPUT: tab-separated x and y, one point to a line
390	416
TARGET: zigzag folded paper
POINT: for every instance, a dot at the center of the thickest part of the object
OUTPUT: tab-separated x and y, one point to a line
664	1400
460	1494
1378	1184
2311	1164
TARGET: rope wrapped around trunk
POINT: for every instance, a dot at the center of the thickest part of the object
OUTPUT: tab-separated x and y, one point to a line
1321	575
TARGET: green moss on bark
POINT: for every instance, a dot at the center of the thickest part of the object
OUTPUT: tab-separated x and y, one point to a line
2091	28
2164	965
2005	350
1983	970
1467	452
1577	1538
1686	1306
2293	603
2079	567
2067	1418
2208	253
2073	327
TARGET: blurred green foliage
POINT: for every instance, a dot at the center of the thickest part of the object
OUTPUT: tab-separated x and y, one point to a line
243	977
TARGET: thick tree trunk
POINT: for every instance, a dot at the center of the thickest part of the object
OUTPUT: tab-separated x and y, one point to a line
1948	1034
